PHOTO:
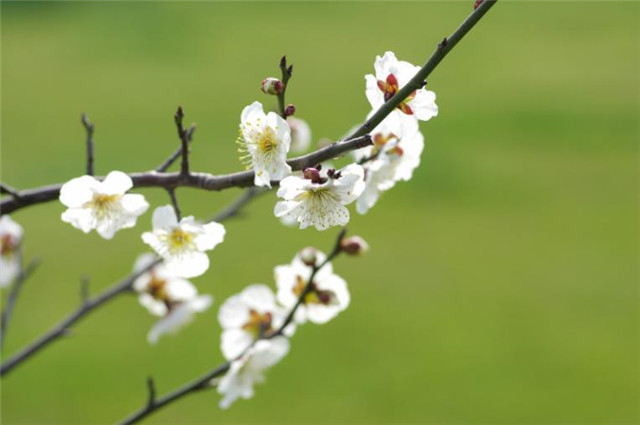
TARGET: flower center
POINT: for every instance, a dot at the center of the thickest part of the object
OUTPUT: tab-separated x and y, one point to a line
157	288
315	295
180	241
267	142
390	87
103	205
8	245
258	324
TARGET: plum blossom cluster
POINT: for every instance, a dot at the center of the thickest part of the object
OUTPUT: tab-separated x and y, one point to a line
256	323
105	206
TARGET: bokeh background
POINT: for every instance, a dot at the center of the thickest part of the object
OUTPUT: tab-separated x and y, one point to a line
501	286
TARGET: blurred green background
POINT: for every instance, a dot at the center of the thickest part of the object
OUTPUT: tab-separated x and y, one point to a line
501	287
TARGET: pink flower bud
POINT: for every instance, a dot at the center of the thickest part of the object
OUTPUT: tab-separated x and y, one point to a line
354	245
309	256
312	174
272	86
289	110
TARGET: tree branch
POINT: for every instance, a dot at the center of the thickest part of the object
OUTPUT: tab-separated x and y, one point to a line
172	158
202	181
234	208
204	381
418	80
63	327
88	126
174	202
5	189
13	295
286	75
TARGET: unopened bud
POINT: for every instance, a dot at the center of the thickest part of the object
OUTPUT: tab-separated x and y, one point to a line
354	245
272	86
477	4
309	256
312	174
289	110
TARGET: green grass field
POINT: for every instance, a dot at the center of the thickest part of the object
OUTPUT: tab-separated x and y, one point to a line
502	284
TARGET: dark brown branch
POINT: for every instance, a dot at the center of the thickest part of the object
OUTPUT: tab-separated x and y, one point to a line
174	202
204	381
184	140
89	127
5	189
172	158
286	75
202	181
63	327
418	80
13	295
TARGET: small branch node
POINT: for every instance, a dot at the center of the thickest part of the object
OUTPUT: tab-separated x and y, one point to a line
8	190
151	386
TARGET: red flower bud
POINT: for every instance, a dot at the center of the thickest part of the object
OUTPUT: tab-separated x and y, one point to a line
272	86
289	110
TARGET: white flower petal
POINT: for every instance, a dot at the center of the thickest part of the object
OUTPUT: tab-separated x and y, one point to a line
116	183
213	234
134	204
233	342
191	265
77	192
164	217
79	218
180	290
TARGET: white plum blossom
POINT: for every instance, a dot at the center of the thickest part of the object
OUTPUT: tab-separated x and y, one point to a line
313	200
393	157
179	316
249	369
391	76
247	316
328	295
104	206
10	242
300	134
264	142
182	243
166	295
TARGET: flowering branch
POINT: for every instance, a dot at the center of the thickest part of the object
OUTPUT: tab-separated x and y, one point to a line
418	81
124	286
202	181
13	295
204	381
88	126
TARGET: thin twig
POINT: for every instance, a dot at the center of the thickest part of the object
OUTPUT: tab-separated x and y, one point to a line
174	202
151	387
89	127
172	158
286	75
63	327
184	139
5	189
204	381
202	181
418	80
13	295
234	208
